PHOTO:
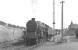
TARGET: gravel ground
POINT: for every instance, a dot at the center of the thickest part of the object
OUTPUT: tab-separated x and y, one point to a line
71	45
64	46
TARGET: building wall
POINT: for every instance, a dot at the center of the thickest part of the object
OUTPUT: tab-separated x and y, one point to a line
8	34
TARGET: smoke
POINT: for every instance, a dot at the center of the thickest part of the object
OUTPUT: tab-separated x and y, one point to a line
34	7
34	1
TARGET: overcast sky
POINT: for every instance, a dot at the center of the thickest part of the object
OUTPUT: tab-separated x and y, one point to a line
18	12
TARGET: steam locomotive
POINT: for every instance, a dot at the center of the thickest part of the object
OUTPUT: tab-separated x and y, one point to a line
36	32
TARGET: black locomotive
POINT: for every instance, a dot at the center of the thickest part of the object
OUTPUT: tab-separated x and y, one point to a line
36	32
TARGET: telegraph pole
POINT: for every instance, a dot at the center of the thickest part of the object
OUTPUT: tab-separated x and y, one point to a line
62	18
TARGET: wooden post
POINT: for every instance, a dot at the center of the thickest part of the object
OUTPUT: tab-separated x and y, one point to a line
62	18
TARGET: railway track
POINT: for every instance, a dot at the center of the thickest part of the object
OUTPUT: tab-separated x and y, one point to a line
6	46
30	47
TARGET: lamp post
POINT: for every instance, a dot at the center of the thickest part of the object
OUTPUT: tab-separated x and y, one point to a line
53	14
53	18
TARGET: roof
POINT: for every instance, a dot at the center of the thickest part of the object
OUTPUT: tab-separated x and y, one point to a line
2	23
74	26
